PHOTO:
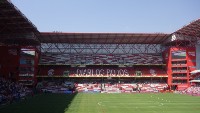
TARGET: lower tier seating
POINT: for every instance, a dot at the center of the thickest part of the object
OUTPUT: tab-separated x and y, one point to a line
121	88
194	90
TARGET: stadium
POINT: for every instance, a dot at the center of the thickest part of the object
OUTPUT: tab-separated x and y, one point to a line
136	64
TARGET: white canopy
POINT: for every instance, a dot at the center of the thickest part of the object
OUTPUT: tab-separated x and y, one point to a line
195	81
194	72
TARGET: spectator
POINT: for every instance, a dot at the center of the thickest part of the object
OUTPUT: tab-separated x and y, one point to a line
10	91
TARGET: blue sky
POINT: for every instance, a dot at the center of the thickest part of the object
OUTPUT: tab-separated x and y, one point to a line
132	16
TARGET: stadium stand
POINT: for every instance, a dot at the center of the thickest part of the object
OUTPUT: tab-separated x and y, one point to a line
94	62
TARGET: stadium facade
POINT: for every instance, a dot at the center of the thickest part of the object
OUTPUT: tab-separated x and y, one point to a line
108	59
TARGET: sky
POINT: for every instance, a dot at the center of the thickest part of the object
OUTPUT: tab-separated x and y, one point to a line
121	16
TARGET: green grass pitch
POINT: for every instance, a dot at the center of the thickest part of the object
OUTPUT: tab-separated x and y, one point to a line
105	103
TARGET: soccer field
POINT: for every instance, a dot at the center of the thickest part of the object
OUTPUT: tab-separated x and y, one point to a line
105	103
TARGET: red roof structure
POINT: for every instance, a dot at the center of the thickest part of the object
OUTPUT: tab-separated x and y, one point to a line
15	28
192	29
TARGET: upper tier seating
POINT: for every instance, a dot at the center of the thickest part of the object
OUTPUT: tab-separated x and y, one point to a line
89	59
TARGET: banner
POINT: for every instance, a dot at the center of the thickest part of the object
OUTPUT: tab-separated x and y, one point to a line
102	72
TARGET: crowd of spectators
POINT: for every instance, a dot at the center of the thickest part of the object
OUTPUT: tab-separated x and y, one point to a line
11	91
55	86
193	90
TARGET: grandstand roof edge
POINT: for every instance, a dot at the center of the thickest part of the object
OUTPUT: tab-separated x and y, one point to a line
16	25
103	38
57	32
191	29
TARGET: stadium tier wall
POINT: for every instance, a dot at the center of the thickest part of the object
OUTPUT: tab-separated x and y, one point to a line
9	62
179	63
19	64
101	71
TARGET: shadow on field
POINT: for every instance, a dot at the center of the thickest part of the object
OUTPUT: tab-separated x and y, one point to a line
41	103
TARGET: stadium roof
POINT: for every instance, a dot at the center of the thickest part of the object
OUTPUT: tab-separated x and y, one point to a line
15	28
103	38
192	29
